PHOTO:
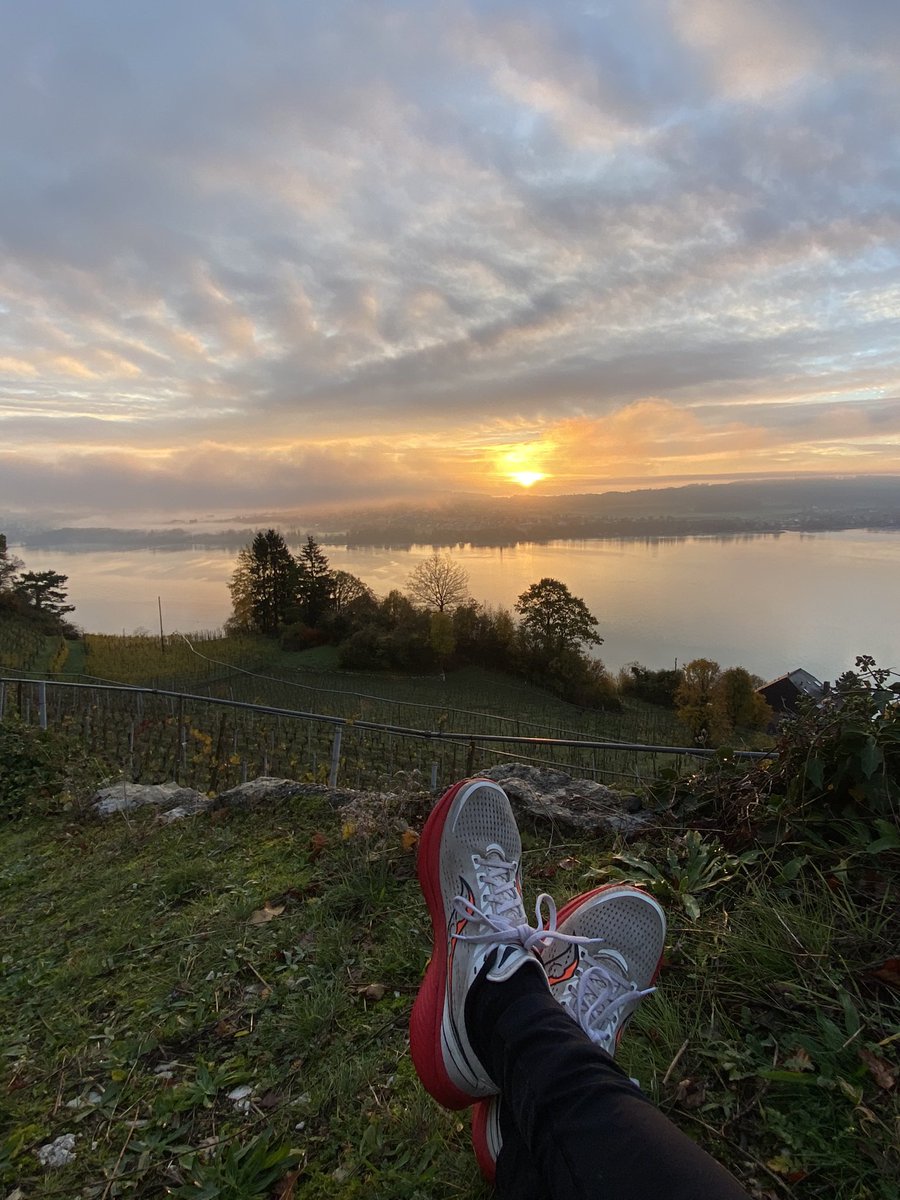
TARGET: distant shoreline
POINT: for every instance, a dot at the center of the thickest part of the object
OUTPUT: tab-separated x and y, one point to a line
397	536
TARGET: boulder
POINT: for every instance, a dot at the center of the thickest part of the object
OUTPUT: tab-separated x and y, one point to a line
553	797
123	797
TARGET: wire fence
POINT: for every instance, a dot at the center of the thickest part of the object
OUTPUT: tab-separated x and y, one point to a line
211	744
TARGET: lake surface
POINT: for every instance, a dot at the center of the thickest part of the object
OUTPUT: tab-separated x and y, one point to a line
769	603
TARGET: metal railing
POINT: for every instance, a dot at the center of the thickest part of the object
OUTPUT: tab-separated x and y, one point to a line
152	731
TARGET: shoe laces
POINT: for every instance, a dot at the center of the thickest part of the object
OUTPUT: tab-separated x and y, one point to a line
503	912
600	995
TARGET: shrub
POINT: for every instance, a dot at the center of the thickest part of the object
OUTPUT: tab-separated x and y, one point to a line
41	769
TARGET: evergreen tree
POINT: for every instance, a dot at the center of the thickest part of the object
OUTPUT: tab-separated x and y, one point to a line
553	620
44	591
316	583
9	565
265	584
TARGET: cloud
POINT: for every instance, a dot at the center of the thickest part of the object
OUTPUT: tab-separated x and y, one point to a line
324	226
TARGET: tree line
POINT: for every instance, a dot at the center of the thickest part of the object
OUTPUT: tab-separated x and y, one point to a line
435	624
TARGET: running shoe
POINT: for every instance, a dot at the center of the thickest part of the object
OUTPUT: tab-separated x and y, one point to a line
468	870
600	972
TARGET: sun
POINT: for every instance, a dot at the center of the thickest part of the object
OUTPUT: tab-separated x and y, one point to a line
522	464
527	479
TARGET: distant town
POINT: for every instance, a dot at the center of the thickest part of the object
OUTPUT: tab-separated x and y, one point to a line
727	509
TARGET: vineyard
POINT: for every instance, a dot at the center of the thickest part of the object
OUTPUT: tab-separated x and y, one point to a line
25	648
211	712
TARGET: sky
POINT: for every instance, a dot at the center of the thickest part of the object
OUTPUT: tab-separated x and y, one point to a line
274	254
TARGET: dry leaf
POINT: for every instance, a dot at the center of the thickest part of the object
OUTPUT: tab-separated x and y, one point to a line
285	1188
888	972
317	844
408	839
879	1070
691	1093
567	864
799	1061
265	914
373	991
348	829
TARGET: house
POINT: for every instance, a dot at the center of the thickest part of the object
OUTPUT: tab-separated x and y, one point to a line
782	694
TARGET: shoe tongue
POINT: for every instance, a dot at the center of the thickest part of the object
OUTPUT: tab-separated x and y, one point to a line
509	959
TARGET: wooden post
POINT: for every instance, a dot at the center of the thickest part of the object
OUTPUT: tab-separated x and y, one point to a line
335	757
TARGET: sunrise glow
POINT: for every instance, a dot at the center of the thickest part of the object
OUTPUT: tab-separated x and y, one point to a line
527	478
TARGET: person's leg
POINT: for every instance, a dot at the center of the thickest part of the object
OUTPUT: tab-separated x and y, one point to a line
485	1022
599	977
591	1133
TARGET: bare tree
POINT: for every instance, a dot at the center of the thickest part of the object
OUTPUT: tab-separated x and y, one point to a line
439	584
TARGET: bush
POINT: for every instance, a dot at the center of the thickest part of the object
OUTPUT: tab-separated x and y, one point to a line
656	687
300	636
840	757
41	769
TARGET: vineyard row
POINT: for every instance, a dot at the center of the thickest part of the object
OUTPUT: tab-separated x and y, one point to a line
211	745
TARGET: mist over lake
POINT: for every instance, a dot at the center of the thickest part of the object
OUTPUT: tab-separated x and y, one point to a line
769	603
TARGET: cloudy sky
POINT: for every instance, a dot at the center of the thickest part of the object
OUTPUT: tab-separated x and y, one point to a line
270	253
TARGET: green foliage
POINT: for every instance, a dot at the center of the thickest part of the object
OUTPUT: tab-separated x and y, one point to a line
839	759
656	687
45	592
237	1171
690	866
41	769
553	620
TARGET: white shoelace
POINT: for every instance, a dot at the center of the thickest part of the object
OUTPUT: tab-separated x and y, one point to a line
600	994
500	883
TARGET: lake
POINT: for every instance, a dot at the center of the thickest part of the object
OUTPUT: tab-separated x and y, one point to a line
766	602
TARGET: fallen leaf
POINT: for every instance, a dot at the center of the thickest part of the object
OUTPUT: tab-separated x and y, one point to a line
348	829
317	843
888	972
799	1061
372	991
691	1093
568	864
408	839
878	1069
285	1188
270	1100
265	914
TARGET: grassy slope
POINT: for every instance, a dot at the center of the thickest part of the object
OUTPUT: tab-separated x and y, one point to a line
133	976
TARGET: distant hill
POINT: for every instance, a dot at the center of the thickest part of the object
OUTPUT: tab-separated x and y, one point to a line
699	508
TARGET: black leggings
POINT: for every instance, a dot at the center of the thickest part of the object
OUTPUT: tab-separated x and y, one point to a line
574	1127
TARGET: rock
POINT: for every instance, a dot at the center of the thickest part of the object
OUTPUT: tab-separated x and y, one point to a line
264	790
57	1153
124	797
578	804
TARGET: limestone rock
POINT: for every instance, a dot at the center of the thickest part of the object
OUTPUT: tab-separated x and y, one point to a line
554	797
264	790
123	797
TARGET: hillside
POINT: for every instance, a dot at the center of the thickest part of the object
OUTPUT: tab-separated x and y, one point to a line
219	1006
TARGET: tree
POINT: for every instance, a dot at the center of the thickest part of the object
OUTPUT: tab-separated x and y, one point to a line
9	565
738	702
316	586
696	702
553	620
438	583
264	586
348	591
44	591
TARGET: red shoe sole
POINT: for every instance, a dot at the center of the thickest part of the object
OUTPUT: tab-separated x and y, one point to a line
428	1009
487	1164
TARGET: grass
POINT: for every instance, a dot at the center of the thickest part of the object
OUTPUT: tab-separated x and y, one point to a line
142	987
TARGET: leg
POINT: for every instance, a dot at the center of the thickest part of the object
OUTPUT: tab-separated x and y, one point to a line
590	1131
